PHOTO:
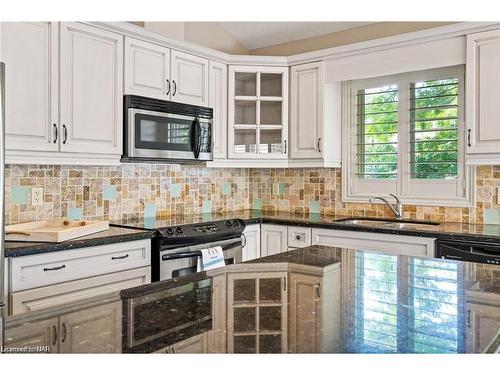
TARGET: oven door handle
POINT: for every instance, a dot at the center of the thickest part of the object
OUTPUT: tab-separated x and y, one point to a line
196	138
188	254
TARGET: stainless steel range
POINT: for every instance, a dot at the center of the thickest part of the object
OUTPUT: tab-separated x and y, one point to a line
175	249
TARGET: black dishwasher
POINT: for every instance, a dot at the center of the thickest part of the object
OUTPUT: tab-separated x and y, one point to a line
468	251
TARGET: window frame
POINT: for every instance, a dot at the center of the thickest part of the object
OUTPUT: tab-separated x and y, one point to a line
455	193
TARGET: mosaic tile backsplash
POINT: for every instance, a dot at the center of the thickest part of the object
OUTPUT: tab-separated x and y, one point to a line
164	190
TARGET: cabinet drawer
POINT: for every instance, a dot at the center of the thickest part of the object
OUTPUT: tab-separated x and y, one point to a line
71	291
386	243
299	236
45	269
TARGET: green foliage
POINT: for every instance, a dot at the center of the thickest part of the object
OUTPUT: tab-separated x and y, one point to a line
433	130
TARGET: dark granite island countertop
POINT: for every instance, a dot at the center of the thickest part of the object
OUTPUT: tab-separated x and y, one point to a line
312	300
111	235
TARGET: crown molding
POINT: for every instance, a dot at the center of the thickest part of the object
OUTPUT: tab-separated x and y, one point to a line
422	36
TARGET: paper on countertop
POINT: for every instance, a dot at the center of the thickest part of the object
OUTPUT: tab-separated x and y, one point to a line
211	258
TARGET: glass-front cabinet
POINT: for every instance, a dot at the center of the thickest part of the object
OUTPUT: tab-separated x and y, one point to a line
258	112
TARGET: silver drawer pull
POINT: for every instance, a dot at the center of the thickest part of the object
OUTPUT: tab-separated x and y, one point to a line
298	237
120	257
54	268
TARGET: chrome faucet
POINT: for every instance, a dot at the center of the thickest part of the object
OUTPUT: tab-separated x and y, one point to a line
397	208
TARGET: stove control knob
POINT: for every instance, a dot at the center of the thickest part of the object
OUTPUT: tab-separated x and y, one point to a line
170	231
236	223
178	230
228	223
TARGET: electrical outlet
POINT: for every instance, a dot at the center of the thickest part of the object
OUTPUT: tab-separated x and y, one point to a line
37	196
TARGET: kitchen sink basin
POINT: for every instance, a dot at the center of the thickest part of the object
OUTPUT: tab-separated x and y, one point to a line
389	224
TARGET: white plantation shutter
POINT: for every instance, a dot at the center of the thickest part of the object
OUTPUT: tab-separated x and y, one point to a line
405	136
398	294
377	132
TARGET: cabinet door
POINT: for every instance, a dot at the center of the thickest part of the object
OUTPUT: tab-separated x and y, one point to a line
257	312
193	345
273	239
217	99
42	333
483	323
258	112
94	330
251	250
483	92
304	314
91	97
189	76
29	51
147	69
306	119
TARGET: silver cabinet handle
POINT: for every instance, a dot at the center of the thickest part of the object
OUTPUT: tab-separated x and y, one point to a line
168	86
319	142
284	142
65	130
64	332
56	133
298	237
245	238
175	88
120	257
318	292
54	268
468	137
54	335
468	319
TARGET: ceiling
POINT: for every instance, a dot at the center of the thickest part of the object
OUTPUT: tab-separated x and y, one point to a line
253	35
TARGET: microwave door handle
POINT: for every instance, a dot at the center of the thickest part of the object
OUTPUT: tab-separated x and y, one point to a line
197	138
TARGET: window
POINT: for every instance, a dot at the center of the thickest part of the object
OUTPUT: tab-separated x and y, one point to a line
395	295
404	134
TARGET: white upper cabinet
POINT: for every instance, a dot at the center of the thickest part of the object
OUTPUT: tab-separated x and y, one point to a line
258	112
306	114
217	99
315	117
483	97
189	76
91	71
147	69
29	51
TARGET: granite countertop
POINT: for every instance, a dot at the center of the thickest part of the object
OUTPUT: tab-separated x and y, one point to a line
368	302
117	233
446	230
111	235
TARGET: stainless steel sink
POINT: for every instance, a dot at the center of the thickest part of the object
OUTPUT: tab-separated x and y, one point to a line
365	222
389	224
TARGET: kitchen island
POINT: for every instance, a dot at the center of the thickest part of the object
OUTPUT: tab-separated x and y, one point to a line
312	300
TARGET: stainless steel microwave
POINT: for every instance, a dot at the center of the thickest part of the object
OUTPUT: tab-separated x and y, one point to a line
158	129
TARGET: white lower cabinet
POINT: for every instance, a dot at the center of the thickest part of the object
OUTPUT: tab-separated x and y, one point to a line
314	316
94	330
483	323
273	239
387	243
57	294
97	329
40	333
193	345
251	248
